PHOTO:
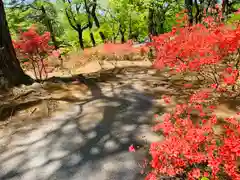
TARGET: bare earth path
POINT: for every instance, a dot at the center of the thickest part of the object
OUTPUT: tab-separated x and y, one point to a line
91	140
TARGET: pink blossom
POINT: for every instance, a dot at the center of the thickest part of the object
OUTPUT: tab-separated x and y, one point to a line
131	148
56	53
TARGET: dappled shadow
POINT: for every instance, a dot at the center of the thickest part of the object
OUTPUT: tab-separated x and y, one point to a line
89	142
104	75
146	80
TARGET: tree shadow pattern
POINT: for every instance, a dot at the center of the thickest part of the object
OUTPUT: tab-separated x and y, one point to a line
90	142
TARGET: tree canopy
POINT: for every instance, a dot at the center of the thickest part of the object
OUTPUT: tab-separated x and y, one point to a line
86	23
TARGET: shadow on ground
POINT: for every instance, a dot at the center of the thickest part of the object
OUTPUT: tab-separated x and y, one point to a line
89	142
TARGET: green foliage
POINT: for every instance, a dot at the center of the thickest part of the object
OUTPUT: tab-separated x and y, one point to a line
131	15
234	18
16	18
164	13
204	178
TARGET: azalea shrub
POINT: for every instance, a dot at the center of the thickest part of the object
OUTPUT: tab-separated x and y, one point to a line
206	49
115	52
34	49
192	147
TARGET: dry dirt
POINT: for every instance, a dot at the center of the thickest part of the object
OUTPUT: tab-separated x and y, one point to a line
51	98
32	103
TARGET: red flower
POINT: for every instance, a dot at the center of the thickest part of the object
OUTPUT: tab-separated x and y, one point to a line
56	53
151	176
230	80
166	99
214	86
131	148
190	139
195	173
205	174
35	47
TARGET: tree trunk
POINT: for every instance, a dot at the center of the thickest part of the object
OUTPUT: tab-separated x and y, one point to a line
197	14
102	36
96	21
50	28
11	73
90	24
80	38
161	28
151	22
122	32
92	39
189	7
122	38
115	35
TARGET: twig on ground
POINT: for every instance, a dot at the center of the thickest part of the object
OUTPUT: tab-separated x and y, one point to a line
33	111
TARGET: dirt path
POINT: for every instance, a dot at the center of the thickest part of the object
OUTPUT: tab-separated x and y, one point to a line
91	140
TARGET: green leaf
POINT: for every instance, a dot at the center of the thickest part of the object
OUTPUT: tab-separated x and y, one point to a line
204	178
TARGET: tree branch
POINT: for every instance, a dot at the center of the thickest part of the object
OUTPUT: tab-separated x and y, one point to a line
69	20
85	27
70	9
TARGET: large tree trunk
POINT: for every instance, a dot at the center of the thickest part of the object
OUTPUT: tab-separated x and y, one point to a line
11	73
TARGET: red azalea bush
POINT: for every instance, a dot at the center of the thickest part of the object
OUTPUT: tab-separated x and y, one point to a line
111	51
118	49
125	51
192	147
34	48
202	48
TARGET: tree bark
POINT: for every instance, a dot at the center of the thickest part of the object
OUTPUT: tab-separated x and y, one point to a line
11	73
